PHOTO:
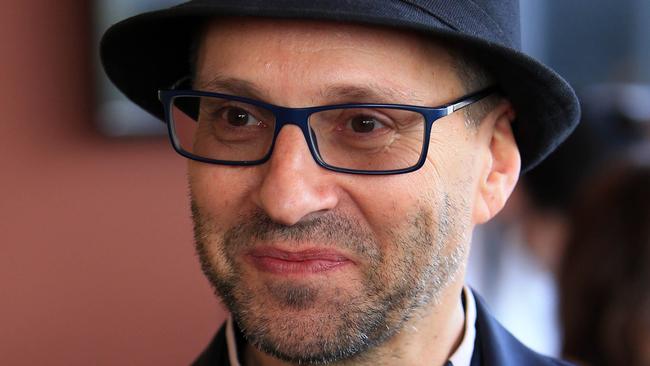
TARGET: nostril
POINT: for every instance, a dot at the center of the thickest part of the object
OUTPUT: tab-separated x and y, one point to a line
288	201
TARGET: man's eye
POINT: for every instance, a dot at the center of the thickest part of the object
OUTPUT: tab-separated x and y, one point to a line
238	117
365	124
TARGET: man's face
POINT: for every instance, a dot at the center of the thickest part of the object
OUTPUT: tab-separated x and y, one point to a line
317	265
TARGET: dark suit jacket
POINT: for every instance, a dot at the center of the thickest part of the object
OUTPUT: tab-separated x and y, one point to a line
494	346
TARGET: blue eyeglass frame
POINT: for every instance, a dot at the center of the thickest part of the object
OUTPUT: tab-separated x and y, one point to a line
300	117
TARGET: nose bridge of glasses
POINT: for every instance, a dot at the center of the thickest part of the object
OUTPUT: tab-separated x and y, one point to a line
293	116
298	117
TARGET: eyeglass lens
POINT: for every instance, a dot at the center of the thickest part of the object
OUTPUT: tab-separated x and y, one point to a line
370	139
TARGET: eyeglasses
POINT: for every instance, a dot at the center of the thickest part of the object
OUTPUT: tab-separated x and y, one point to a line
350	138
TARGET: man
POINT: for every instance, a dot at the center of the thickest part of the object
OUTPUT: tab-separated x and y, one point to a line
340	155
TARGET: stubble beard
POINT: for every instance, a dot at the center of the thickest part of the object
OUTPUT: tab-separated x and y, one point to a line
309	324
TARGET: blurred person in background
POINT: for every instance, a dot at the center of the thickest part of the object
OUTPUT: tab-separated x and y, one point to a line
604	277
516	257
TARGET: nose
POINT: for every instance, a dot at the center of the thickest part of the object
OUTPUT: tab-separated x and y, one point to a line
293	186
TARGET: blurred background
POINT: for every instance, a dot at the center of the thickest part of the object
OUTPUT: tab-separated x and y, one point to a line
96	257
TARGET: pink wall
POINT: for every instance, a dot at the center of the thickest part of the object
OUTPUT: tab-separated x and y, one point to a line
96	258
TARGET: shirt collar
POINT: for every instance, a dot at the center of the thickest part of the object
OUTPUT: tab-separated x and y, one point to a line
462	356
231	342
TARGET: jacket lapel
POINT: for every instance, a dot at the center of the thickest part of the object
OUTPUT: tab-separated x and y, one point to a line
500	348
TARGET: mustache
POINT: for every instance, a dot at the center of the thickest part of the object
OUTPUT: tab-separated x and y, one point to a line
330	229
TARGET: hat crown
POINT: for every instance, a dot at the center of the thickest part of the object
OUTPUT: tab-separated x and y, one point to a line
492	20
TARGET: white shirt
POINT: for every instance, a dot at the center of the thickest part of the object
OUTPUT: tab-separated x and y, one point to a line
462	356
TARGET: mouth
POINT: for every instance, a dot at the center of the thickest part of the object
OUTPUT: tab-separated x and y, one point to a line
302	262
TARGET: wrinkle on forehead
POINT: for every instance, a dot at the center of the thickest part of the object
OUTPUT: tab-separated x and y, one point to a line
298	34
304	57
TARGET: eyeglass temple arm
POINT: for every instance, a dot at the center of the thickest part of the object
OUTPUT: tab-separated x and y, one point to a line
471	99
176	84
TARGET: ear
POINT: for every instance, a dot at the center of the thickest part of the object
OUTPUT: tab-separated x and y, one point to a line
501	163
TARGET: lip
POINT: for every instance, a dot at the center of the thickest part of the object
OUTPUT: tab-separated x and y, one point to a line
304	262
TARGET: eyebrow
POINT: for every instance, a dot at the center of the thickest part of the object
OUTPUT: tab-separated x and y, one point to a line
230	85
369	93
339	93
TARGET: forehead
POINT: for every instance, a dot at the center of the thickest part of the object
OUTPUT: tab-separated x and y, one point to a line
298	34
286	53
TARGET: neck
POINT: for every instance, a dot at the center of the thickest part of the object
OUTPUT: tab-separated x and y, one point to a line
428	338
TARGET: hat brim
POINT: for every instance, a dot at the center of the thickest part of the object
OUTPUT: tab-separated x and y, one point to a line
151	51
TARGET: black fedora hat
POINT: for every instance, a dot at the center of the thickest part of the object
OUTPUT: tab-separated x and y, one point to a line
151	51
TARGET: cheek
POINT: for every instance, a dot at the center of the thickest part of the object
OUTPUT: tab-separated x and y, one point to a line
220	192
387	202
